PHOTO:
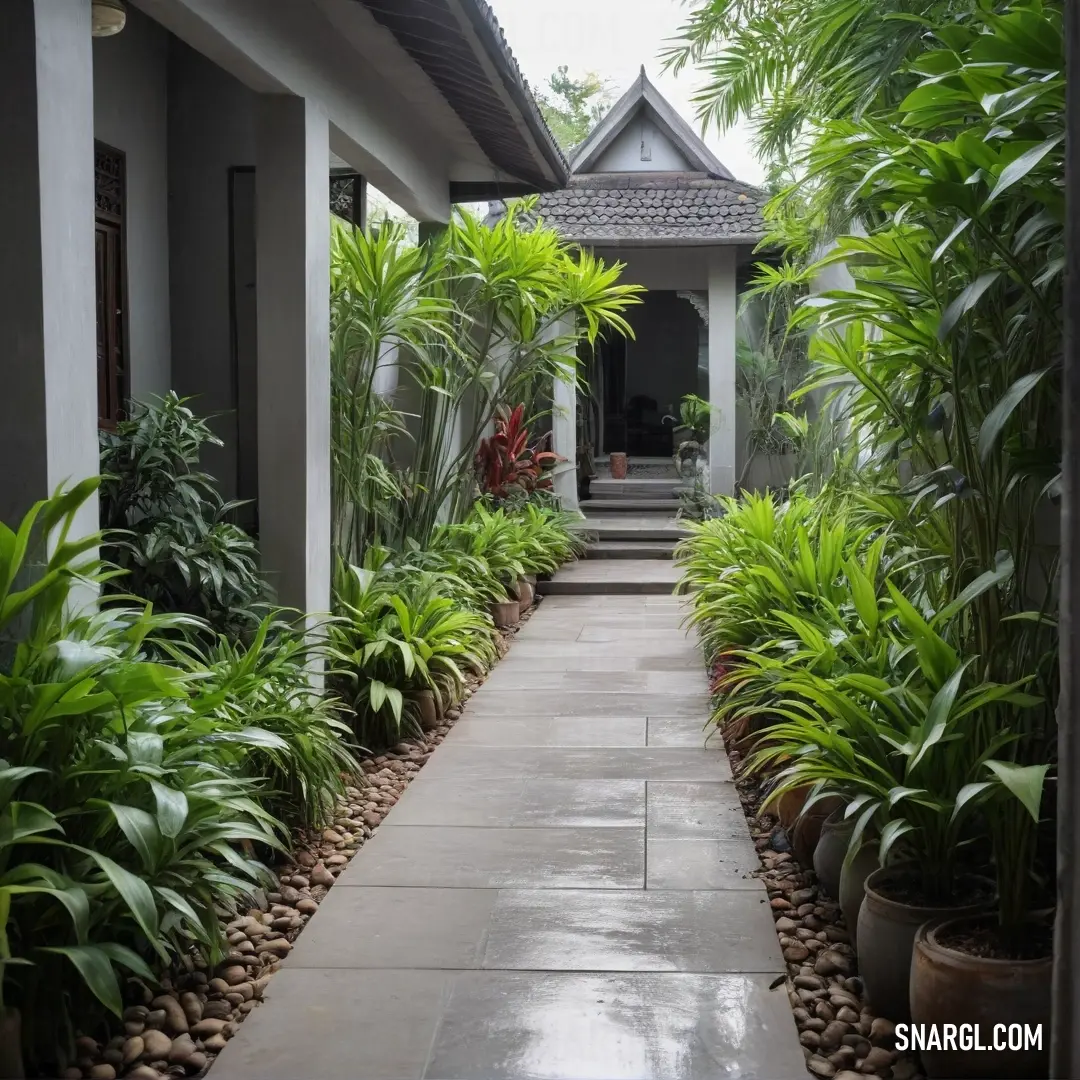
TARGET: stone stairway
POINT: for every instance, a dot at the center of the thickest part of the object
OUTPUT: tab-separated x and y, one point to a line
633	531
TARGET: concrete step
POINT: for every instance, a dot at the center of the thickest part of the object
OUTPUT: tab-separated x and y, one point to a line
629	506
630	549
636	527
639	577
631	488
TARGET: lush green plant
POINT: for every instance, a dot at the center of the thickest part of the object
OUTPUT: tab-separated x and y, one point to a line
295	742
469	321
696	415
397	635
171	530
117	828
941	136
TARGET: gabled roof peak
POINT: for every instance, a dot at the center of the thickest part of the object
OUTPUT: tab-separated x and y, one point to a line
642	95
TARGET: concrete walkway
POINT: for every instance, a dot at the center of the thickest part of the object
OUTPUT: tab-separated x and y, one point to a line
562	893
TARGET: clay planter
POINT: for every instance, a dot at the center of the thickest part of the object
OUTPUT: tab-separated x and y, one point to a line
789	806
427	709
953	987
831	850
886	937
11	1060
525	594
617	465
853	888
506	614
807	829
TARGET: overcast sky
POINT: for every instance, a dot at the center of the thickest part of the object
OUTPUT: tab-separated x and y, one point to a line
614	38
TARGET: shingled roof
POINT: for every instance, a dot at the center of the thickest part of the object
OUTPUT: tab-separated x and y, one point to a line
615	197
689	208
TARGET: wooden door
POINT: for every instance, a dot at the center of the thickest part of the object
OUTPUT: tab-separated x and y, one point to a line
110	338
109	198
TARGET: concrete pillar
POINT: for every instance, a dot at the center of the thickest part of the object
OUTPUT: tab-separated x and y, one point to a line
293	260
723	327
49	404
564	440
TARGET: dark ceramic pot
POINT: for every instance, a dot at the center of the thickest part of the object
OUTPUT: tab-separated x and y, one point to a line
886	938
952	987
832	849
11	1060
853	888
807	829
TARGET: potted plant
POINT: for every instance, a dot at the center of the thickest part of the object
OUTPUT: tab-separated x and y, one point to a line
694	421
990	969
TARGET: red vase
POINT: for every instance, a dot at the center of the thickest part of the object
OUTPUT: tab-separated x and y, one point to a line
618	466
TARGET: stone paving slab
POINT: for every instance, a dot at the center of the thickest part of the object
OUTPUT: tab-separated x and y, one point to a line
503	858
520	803
562	893
473	763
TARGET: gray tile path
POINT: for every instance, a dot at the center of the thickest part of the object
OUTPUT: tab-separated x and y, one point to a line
563	893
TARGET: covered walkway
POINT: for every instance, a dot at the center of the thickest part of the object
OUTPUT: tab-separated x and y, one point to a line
562	893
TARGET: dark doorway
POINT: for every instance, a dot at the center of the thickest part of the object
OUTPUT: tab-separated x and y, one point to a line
613	362
109	168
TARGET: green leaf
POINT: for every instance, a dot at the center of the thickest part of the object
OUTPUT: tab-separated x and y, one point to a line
141	830
1001	572
890	834
1019	167
172	809
1024	781
95	967
999	415
967	299
136	895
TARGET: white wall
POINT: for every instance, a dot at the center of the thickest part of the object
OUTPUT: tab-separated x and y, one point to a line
130	109
661	268
641	147
211	128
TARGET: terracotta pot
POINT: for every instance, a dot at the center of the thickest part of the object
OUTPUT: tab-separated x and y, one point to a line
525	594
789	806
429	711
617	465
886	938
853	888
952	987
506	614
11	1060
831	850
807	829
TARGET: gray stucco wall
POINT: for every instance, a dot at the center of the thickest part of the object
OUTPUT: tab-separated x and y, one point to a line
211	129
641	147
130	109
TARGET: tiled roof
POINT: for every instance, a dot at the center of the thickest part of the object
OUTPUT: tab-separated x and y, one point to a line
688	207
462	49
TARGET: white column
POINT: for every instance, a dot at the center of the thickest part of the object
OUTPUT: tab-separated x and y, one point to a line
293	272
49	404
723	311
564	440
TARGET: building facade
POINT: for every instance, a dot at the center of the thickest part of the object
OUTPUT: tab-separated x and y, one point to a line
168	173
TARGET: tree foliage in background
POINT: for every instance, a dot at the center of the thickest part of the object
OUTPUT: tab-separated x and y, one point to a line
573	107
